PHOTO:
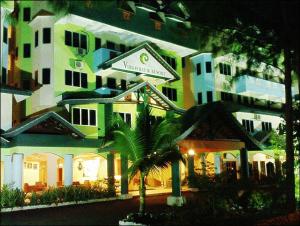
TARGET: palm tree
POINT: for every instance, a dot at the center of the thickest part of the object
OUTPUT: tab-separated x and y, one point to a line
149	146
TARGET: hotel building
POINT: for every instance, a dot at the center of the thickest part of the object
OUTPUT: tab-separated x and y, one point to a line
64	75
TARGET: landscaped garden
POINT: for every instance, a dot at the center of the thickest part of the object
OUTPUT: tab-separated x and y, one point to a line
13	197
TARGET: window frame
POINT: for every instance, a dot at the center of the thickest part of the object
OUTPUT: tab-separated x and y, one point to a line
89	110
46	36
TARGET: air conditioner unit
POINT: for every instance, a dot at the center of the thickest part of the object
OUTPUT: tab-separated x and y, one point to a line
81	51
78	64
256	116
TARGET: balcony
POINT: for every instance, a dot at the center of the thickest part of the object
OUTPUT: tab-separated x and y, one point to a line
260	88
250	104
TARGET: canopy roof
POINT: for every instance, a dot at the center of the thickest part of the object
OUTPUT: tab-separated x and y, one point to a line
216	128
46	123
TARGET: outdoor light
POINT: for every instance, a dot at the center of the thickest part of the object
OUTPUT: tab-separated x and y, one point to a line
191	152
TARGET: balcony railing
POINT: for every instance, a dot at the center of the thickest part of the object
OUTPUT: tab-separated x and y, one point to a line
260	88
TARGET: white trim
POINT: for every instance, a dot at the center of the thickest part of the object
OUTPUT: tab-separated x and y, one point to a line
80	118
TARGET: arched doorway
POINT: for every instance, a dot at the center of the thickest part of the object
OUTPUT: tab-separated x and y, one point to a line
270	169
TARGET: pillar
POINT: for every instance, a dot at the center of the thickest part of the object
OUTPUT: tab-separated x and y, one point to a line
244	164
217	161
176	199
7	169
17	171
68	169
124	176
51	170
191	171
203	163
238	166
111	169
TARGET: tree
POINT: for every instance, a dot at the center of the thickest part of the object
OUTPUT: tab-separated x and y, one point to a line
149	146
264	32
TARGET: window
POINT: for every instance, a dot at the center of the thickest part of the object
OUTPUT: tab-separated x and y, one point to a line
26	14
46	35
26	84
4	74
74	78
75	39
83	41
97	43
122	48
225	69
209	96
200	98
170	93
112	54
5	35
111	83
126	117
266	126
36	78
26	50
248	125
36	38
84	117
68	38
76	116
208	66
68	77
110	45
198	69
46	75
170	60
98	82
123	84
84	83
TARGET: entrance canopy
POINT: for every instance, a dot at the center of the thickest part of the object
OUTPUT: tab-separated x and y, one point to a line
211	128
142	63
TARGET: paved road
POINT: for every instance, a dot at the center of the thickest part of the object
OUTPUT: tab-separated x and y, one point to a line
105	213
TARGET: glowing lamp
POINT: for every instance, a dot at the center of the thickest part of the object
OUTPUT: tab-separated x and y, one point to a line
191	152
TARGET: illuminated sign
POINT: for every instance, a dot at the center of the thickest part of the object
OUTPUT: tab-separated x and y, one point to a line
143	62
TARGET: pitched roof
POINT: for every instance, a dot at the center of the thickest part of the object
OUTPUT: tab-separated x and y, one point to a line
198	115
86	100
146	46
31	122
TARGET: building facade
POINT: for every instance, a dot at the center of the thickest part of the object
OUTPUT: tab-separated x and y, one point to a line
84	66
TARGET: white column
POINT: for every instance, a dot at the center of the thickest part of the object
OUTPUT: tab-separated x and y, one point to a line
217	163
17	172
51	170
238	166
68	169
7	169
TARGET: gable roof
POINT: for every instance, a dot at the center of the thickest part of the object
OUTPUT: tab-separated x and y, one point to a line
197	115
31	122
106	100
149	49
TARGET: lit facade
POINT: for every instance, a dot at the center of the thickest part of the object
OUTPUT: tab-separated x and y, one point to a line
85	66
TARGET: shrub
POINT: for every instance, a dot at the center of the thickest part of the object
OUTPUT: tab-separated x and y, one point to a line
11	197
259	201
